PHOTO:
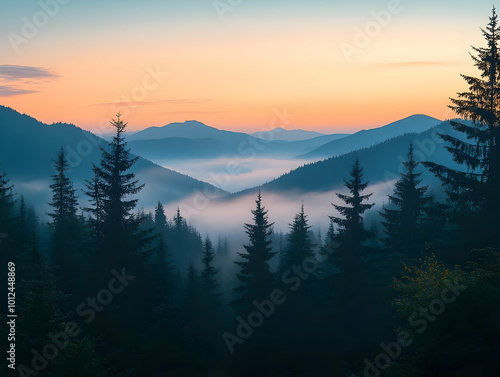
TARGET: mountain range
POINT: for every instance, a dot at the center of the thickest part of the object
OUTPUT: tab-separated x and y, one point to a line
382	164
195	140
280	133
27	148
367	138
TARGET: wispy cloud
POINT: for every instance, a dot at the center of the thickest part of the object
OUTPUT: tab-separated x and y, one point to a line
154	103
20	72
413	64
11	91
17	80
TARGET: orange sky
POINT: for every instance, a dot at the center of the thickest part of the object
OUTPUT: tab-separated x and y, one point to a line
242	75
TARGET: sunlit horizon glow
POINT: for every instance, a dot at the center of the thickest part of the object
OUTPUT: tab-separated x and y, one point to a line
263	58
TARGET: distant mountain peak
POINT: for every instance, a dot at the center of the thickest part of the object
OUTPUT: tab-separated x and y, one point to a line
280	133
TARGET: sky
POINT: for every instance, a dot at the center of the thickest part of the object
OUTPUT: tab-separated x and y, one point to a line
243	65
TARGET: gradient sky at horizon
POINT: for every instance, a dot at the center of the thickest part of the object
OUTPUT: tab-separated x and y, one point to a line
264	57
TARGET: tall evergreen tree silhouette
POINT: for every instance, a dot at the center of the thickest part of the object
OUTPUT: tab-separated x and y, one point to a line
94	191
209	272
6	205
352	287
473	191
255	276
179	221
122	246
299	245
111	188
404	217
298	317
65	223
351	232
160	218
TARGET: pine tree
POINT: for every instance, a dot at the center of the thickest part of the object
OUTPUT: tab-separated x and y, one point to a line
351	232
96	200
64	200
179	221
209	272
473	192
160	218
299	246
403	222
6	203
350	287
113	183
65	223
255	276
299	252
192	295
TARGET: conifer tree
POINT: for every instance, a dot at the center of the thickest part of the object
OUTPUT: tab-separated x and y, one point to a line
64	200
299	245
110	189
403	219
6	203
351	286
351	232
209	272
179	221
65	223
473	190
255	276
160	218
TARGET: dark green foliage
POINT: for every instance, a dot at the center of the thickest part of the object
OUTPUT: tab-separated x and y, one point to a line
404	217
473	189
160	218
351	233
66	225
255	277
208	273
299	245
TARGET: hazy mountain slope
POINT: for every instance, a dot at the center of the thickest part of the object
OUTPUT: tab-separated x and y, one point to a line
189	130
182	148
28	146
280	133
367	138
381	163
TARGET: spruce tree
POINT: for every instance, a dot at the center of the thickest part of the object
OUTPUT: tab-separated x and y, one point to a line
110	189
299	245
298	317
179	221
473	190
404	218
160	218
65	223
94	191
64	200
351	233
209	272
255	276
6	204
351	286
